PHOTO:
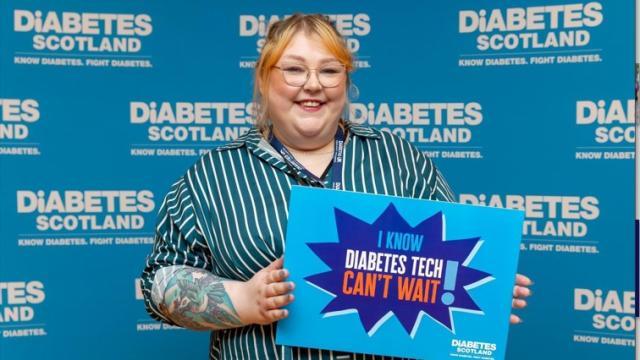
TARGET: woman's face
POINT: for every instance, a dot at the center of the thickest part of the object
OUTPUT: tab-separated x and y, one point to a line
307	115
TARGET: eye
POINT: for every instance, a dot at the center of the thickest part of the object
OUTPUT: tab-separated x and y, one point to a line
294	69
331	70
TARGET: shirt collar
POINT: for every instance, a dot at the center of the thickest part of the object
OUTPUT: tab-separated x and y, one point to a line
362	131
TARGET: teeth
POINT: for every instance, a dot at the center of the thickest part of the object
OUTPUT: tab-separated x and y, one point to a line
310	103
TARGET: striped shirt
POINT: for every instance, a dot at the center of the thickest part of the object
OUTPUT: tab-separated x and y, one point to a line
228	215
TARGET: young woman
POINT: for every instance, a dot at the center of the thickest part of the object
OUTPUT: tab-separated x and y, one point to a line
217	259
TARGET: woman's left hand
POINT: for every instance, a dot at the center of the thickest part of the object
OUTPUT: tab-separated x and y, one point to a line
520	292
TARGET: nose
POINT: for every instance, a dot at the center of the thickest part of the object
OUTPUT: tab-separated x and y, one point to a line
313	83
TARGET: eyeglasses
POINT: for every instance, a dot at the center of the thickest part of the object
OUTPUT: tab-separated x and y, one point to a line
297	74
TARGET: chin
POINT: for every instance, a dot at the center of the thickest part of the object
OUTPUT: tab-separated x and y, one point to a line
311	131
311	126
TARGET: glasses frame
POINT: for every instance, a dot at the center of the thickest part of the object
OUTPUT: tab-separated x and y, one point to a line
309	70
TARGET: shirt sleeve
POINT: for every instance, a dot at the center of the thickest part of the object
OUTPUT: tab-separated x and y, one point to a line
431	184
178	242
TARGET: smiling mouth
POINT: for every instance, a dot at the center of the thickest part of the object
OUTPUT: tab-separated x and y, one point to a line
310	105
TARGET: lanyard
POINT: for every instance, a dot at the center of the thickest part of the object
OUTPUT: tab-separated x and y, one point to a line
336	163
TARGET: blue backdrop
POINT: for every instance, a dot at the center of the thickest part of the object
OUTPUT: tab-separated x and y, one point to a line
104	104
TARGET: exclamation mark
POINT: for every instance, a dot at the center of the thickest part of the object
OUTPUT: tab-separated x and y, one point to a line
450	275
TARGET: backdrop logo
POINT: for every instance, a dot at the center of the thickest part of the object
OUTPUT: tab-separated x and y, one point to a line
188	128
18	117
612	314
85	217
442	130
552	223
66	38
352	26
610	130
413	271
521	30
18	300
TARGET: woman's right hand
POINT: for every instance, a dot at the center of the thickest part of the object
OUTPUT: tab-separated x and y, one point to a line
265	294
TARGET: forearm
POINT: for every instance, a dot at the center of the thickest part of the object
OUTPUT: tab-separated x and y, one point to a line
196	299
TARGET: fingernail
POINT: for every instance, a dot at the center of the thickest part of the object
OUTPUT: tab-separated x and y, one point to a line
291	285
285	313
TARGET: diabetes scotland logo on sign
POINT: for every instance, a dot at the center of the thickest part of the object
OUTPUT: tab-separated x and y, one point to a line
400	277
84	217
71	38
552	223
606	129
441	130
354	27
19	117
533	35
611	315
19	302
186	128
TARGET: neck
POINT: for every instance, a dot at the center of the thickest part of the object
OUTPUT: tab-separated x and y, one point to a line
317	160
322	150
314	158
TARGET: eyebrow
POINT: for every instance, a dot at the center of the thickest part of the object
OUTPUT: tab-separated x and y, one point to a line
302	59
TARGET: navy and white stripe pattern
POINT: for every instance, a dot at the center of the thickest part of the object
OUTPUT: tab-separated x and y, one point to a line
228	215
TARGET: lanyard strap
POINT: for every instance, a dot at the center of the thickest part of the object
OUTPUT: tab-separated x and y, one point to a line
336	163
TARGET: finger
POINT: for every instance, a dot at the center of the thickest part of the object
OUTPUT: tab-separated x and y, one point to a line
518	303
523	280
277	302
279	288
275	315
515	319
277	276
521	291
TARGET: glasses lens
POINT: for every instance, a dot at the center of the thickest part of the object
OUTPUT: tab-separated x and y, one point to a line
331	75
294	75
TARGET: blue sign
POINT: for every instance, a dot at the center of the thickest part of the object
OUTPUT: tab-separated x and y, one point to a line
401	277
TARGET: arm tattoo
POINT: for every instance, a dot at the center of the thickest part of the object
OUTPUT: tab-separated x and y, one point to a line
196	299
